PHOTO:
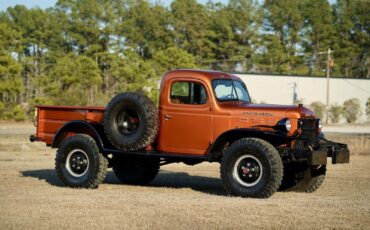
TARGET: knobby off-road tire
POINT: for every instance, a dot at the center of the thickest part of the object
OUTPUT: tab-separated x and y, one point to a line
302	178
79	164
251	167
135	171
131	121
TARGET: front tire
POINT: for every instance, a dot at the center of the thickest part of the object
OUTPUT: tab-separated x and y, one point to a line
251	167
135	171
79	164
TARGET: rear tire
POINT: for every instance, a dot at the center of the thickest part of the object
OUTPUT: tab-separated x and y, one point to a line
135	171
251	167
303	178
131	121
79	164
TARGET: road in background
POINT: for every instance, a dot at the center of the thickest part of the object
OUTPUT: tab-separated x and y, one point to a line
345	129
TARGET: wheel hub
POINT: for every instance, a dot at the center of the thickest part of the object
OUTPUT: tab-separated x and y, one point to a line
128	122
248	170
77	162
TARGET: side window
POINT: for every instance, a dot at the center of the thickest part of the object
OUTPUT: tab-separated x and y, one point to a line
183	92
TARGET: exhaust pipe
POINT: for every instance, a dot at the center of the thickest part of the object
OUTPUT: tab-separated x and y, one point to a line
33	138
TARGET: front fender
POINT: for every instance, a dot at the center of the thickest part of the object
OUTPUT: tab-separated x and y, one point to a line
276	138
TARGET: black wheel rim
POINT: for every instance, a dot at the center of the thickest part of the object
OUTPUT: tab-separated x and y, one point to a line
248	170
77	163
128	122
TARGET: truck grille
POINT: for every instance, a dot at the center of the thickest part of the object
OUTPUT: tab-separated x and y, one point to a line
309	127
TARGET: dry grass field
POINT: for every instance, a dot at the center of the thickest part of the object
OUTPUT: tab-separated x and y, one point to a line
181	197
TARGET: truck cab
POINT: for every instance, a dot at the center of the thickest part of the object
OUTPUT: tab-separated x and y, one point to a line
202	116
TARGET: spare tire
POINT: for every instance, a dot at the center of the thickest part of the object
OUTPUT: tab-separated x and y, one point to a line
131	121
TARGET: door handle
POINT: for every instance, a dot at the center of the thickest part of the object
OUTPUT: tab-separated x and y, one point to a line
167	117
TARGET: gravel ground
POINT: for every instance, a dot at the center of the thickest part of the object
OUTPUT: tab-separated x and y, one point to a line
181	197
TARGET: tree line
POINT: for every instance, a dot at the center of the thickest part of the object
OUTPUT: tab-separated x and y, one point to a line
83	52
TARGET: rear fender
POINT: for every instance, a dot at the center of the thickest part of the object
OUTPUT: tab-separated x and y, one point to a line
78	127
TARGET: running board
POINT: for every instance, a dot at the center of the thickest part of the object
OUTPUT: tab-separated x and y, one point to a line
157	154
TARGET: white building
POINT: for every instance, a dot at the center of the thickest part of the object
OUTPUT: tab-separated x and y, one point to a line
277	89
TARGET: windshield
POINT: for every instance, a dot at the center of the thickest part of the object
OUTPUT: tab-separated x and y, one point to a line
230	90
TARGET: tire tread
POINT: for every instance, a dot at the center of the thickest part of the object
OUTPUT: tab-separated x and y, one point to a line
100	170
151	115
271	153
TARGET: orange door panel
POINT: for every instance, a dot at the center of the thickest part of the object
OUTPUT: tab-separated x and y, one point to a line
187	130
186	121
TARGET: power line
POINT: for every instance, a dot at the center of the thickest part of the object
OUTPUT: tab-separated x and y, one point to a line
364	90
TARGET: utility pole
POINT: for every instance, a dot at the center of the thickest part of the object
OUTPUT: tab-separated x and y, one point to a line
295	93
329	63
327	85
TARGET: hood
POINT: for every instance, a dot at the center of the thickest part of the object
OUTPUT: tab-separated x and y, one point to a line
289	111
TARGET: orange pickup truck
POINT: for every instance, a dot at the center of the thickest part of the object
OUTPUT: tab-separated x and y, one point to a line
202	116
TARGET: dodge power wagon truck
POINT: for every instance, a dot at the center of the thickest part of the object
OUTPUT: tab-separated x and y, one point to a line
202	116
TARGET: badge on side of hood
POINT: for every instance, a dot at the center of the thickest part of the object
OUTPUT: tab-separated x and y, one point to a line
257	114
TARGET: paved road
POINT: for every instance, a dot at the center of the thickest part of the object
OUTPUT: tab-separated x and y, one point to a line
356	129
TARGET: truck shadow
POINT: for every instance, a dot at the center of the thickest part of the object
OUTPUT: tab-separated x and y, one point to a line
47	175
177	180
180	180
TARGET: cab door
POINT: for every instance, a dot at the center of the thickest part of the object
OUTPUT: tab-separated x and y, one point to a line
186	118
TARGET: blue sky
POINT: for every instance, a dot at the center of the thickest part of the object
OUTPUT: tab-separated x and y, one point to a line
4	4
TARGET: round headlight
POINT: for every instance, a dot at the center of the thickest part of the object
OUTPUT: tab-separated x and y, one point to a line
288	125
320	124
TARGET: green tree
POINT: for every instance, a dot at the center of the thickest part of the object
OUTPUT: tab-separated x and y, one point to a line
173	58
272	58
191	24
233	33
40	33
9	38
146	28
352	110
137	75
11	85
16	113
319	32
318	108
2	108
284	20
368	108
76	80
353	38
335	112
83	25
